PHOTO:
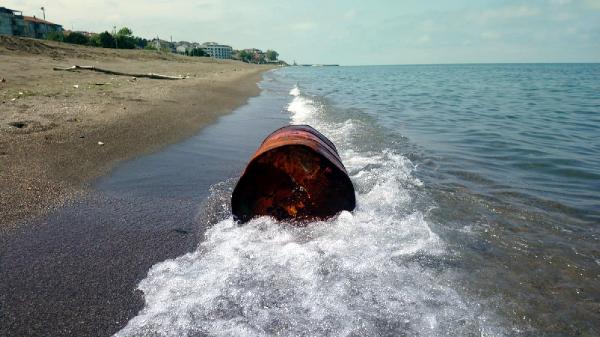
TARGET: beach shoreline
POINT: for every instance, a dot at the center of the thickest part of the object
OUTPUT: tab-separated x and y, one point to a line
60	130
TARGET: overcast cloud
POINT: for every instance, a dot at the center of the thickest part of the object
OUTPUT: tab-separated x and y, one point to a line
355	32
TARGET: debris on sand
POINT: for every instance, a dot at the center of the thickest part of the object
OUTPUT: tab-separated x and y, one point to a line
112	72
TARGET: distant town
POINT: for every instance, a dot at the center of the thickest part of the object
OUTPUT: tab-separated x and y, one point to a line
14	23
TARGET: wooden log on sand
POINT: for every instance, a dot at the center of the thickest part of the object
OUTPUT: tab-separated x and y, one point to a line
118	73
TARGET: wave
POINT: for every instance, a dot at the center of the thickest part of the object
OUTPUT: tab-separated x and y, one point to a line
376	271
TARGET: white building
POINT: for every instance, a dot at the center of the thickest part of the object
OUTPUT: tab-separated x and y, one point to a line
216	50
182	49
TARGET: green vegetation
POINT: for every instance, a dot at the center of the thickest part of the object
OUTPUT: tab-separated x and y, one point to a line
125	32
272	55
246	56
55	36
123	39
255	56
76	38
126	40
105	40
197	52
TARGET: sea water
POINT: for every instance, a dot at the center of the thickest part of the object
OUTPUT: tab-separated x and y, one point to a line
478	210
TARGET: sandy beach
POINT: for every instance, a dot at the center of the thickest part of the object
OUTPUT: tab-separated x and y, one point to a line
53	122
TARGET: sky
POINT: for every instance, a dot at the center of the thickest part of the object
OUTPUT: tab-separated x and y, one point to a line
351	32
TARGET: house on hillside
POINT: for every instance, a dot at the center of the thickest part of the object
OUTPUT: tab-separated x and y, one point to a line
38	28
13	22
159	44
182	47
258	56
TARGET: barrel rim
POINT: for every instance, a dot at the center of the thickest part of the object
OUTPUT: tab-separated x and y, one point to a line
307	128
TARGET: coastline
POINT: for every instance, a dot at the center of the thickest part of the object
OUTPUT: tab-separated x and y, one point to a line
61	130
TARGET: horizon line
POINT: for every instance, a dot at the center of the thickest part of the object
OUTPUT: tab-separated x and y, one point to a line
439	64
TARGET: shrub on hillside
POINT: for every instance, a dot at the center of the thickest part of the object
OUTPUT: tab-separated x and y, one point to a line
55	36
197	52
106	40
76	38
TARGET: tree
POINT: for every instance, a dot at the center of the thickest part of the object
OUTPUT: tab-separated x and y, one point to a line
125	42
246	56
94	40
140	42
197	52
272	55
125	39
124	32
259	58
76	38
106	40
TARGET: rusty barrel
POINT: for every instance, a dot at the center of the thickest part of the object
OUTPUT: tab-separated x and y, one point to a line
296	173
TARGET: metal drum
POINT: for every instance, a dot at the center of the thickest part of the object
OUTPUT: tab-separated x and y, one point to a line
296	174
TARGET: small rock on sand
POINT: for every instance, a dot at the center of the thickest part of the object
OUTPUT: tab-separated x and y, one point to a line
100	143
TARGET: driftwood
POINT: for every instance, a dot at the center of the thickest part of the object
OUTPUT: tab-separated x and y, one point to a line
112	72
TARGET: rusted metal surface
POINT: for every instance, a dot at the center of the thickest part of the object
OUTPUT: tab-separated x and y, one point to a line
297	174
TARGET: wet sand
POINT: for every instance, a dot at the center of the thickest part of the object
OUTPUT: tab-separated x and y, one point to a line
74	271
60	130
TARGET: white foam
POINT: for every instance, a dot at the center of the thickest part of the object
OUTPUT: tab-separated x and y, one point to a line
365	273
295	91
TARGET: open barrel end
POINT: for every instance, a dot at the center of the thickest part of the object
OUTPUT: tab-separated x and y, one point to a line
292	182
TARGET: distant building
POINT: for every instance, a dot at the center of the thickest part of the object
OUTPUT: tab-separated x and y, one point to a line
182	49
159	44
12	22
38	28
216	50
258	56
82	32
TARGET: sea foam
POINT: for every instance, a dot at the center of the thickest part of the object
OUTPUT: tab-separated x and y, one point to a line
371	272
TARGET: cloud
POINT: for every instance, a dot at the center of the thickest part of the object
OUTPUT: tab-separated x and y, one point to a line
424	39
402	31
594	4
304	26
490	35
350	14
504	13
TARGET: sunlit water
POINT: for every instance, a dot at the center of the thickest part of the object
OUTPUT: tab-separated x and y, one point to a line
477	210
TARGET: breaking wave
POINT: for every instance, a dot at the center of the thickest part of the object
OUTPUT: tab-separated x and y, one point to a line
376	271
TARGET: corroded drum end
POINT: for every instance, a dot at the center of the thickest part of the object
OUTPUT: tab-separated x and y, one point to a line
295	174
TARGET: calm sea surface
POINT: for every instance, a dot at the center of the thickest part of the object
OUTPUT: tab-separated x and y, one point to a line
478	213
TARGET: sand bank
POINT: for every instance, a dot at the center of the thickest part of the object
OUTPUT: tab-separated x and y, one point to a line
60	130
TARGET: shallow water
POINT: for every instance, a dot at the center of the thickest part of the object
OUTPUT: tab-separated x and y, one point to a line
477	214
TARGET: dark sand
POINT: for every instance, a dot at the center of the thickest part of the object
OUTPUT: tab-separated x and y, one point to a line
51	121
71	269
